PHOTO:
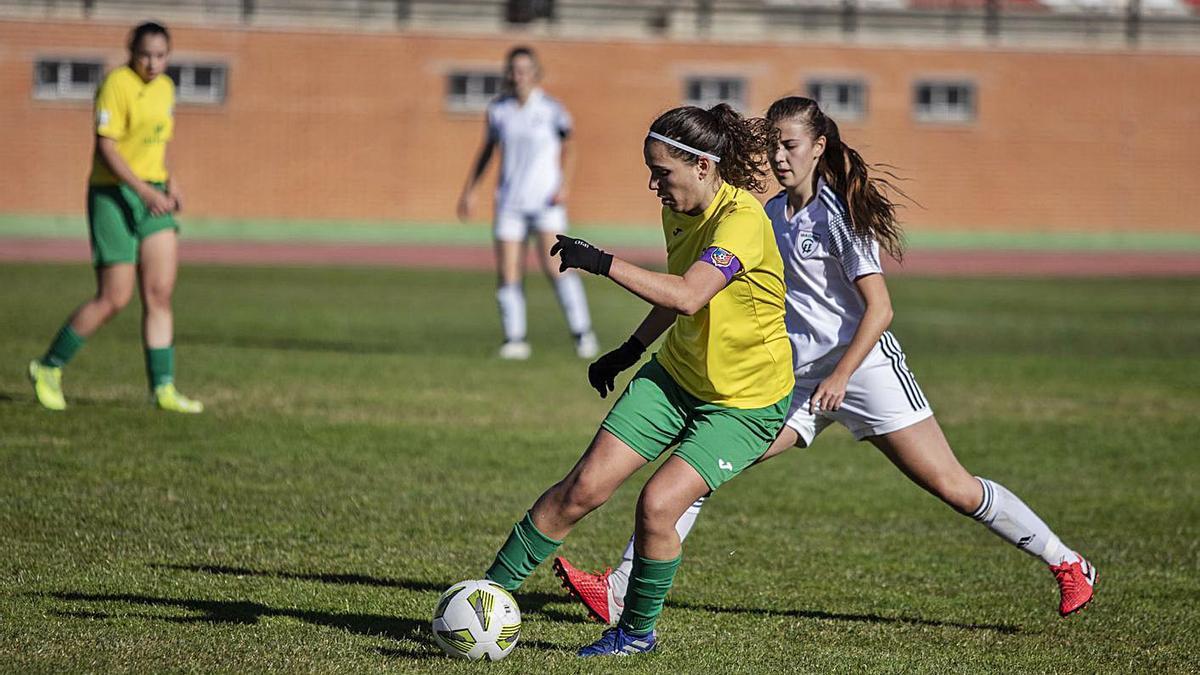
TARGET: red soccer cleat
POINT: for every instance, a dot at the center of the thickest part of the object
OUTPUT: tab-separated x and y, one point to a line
1075	582
591	589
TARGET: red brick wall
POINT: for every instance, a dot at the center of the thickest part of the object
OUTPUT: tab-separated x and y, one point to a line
341	125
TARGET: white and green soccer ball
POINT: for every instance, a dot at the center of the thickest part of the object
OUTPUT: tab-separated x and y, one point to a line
477	620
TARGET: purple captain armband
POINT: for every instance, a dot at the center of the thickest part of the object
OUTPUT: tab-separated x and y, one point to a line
725	262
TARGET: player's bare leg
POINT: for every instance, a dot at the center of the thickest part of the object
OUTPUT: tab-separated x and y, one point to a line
157	272
923	454
604	466
114	288
603	593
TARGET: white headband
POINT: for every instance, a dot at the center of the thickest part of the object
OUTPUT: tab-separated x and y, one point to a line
686	148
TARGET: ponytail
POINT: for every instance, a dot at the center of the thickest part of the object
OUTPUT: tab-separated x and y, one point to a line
863	186
741	143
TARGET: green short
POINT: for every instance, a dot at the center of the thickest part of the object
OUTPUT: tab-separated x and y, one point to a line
655	413
118	221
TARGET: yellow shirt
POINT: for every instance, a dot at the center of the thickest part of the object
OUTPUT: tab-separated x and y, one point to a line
139	117
735	351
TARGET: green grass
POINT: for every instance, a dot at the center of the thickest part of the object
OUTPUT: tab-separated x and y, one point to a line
362	451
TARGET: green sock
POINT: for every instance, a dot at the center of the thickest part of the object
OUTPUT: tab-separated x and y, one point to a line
63	348
648	585
160	365
524	550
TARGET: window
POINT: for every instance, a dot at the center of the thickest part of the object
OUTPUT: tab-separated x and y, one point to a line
472	91
944	101
841	99
202	83
706	92
69	78
526	11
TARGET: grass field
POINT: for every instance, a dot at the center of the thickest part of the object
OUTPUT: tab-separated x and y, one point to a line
362	451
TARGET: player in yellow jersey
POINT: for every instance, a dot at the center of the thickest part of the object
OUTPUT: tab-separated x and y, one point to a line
717	391
131	199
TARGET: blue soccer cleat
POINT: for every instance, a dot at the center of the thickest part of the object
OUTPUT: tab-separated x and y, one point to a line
616	642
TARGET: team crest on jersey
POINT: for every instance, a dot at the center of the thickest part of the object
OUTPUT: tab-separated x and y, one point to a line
102	117
721	257
808	244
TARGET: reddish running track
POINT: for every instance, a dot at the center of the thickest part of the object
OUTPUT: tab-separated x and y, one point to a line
921	263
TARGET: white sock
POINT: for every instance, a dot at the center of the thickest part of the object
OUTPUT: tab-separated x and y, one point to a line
569	288
1005	514
618	581
511	298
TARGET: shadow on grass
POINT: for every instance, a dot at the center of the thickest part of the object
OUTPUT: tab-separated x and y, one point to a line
531	603
838	616
535	603
293	344
245	613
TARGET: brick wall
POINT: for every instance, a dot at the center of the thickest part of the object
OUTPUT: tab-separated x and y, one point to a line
353	126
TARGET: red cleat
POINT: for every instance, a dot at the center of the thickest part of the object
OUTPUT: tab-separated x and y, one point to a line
1075	582
591	589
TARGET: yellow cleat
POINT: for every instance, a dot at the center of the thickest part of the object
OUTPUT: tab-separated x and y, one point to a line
167	397
47	385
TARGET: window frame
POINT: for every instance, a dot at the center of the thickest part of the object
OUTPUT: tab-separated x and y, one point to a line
474	99
715	81
186	91
836	110
64	87
939	110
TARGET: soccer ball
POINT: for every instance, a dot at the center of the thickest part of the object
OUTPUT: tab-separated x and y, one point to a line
476	620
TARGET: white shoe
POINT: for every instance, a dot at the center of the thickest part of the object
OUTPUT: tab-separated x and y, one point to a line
517	350
586	346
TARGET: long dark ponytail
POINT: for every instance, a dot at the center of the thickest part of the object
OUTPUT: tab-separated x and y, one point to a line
742	143
865	187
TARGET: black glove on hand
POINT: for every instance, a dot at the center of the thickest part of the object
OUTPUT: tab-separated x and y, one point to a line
603	372
579	254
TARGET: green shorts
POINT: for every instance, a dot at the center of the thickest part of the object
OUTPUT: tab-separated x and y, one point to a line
655	413
118	221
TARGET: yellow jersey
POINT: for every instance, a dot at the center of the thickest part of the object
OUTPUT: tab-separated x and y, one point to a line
735	351
139	116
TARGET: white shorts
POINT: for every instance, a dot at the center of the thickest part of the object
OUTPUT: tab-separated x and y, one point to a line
882	396
516	225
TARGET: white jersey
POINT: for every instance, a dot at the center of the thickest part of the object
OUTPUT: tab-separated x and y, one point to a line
821	258
530	138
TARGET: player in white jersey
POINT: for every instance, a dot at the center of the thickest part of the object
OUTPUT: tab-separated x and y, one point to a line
532	131
848	367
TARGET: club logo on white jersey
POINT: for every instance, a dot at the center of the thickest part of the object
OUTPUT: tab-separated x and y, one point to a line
808	245
724	466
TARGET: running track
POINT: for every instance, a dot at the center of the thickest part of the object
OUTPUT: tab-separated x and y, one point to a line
922	263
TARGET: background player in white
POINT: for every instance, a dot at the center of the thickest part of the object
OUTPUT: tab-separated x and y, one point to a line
533	133
849	368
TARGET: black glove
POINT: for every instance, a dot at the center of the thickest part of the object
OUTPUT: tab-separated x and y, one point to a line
603	372
579	254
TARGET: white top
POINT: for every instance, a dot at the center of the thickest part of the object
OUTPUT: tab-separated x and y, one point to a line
530	138
821	259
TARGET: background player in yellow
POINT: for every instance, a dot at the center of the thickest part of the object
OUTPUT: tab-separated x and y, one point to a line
134	237
716	392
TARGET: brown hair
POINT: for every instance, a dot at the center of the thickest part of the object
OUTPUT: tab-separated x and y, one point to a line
863	186
512	55
141	30
742	143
